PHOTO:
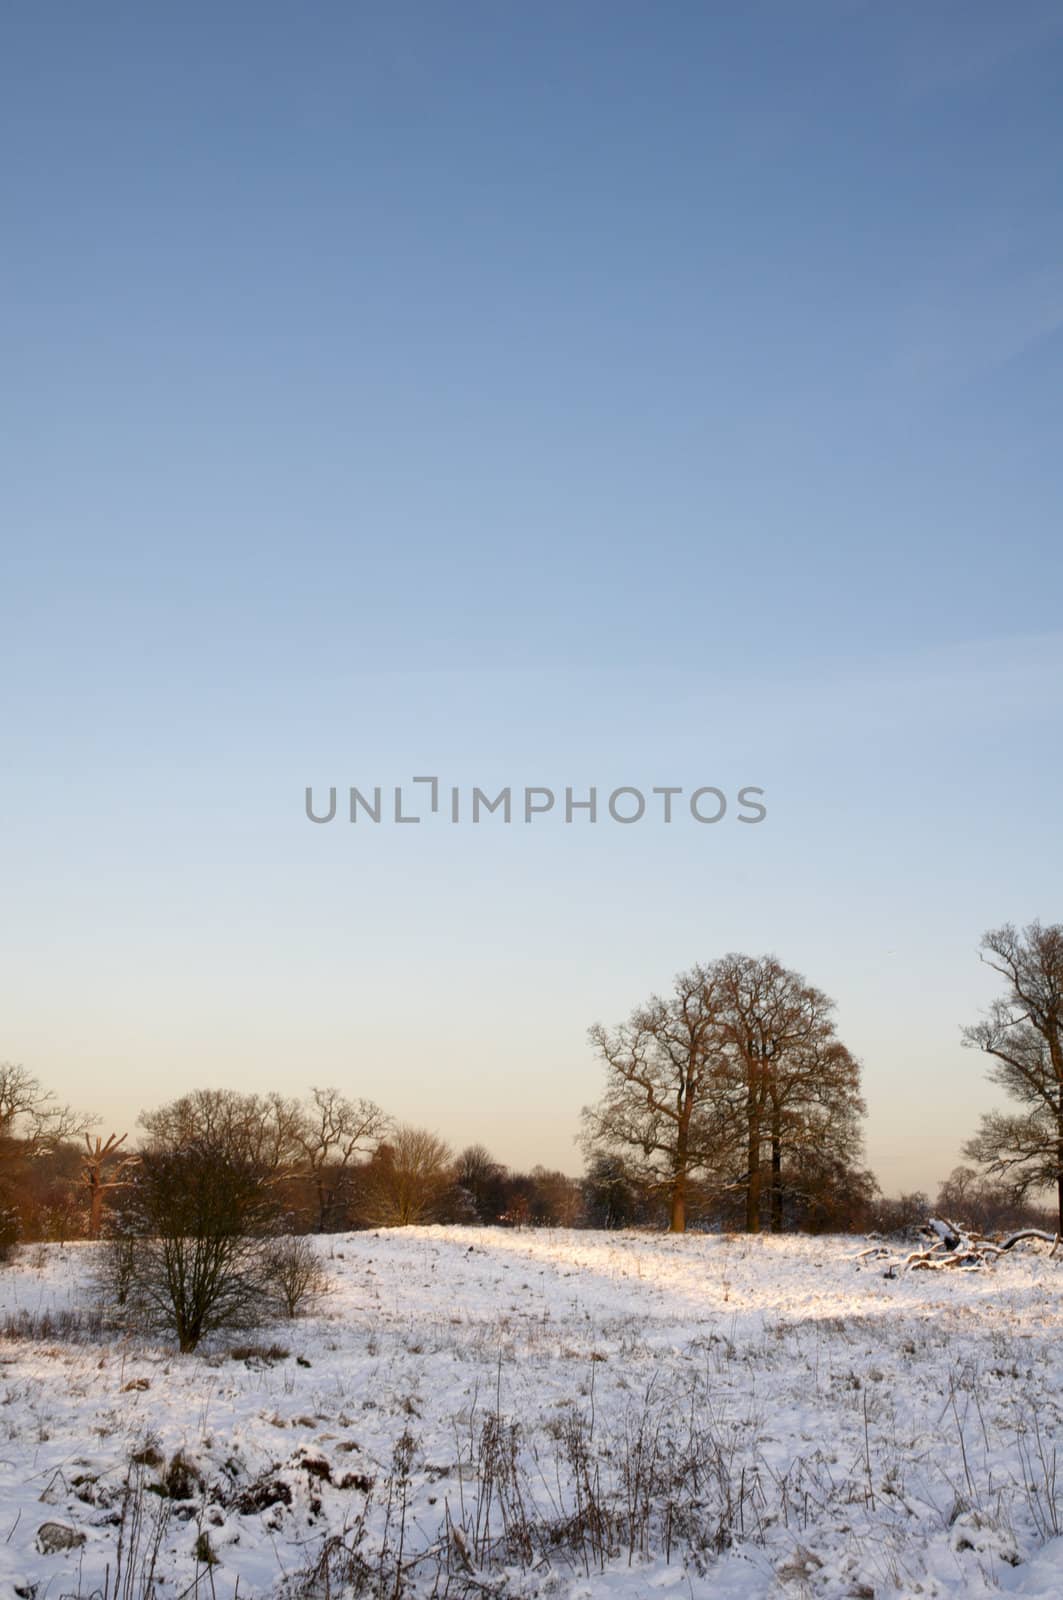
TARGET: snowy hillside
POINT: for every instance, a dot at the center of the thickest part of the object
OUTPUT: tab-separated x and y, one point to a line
479	1411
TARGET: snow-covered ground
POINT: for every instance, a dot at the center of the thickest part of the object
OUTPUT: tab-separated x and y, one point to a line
480	1411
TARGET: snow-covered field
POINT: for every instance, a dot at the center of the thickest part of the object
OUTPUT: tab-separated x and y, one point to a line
479	1411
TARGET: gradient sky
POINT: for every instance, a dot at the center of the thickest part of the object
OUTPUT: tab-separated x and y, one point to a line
527	394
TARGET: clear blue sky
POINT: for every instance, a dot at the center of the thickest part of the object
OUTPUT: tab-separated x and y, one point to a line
534	394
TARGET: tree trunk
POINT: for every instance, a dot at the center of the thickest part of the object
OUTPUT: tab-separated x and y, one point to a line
754	1134
677	1222
95	1210
776	1174
753	1181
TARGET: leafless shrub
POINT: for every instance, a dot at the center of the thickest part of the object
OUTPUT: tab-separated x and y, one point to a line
1041	1477
500	1524
349	1564
261	1355
295	1274
198	1217
659	1482
53	1327
115	1274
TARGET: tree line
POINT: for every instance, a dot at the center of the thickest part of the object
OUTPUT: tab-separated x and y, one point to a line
730	1101
327	1163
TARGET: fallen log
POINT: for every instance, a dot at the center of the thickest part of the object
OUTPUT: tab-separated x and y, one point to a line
953	1248
1031	1233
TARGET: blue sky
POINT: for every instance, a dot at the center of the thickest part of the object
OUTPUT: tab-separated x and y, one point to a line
600	394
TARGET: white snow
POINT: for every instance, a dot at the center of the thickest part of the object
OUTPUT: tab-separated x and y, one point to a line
744	1417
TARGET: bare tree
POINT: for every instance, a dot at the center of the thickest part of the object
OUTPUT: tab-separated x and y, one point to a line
613	1197
787	1077
484	1180
262	1130
31	1116
100	1156
1023	1034
409	1180
659	1106
903	1214
557	1200
198	1218
974	1200
34	1128
331	1133
815	1110
825	1192
295	1274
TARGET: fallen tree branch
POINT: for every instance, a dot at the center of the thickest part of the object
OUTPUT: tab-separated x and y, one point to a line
953	1248
1032	1233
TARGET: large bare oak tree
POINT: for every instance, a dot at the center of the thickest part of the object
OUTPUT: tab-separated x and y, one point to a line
658	1104
1022	1033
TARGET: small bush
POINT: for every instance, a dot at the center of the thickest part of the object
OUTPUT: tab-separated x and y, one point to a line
117	1271
295	1274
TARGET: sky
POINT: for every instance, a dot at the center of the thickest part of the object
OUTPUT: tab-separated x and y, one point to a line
544	395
